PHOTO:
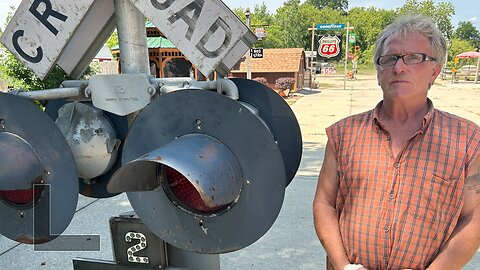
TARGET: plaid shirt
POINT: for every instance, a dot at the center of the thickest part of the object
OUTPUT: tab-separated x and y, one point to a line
398	212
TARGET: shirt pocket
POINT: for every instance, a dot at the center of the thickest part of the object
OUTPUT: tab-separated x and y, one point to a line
438	199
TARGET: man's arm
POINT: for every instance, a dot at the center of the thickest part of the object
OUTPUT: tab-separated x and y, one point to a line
324	212
465	240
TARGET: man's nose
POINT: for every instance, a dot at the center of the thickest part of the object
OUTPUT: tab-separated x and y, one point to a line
399	66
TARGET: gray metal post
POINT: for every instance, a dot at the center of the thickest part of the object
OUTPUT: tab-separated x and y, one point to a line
132	38
249	65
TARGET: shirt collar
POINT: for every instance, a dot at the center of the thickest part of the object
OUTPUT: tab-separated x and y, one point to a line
426	119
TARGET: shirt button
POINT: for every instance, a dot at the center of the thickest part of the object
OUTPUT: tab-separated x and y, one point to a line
396	165
386	229
391	196
385	258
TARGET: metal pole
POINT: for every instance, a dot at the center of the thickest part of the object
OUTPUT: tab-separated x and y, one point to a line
476	73
446	60
132	40
312	73
346	58
249	67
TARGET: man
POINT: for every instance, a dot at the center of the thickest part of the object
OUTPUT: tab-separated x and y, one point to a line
399	186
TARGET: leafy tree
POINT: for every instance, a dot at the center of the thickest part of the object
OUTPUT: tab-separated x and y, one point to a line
289	26
467	31
15	74
112	41
341	5
441	13
458	46
259	17
367	23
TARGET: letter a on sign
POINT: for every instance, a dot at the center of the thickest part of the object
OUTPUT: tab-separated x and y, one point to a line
40	29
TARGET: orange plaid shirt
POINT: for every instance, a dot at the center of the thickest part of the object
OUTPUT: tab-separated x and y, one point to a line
398	212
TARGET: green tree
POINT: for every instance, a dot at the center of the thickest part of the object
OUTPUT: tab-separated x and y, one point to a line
367	23
15	74
259	17
441	13
458	46
112	41
341	5
467	31
290	26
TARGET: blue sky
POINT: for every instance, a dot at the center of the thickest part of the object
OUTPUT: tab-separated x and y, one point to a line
466	10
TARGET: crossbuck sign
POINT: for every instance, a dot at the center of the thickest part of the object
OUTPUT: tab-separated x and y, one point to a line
43	33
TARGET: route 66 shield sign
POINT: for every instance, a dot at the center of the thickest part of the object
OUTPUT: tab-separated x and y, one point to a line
329	47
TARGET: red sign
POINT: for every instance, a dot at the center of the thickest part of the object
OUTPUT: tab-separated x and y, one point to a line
329	47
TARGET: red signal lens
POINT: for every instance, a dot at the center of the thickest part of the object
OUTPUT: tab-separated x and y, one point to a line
186	193
23	196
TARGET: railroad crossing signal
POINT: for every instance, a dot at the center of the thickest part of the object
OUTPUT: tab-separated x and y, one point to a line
43	33
205	178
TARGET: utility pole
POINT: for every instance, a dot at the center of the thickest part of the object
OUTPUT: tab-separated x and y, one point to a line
249	65
346	56
312	73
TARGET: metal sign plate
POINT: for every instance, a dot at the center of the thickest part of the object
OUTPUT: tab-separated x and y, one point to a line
97	25
121	94
207	31
330	26
256	52
329	47
40	29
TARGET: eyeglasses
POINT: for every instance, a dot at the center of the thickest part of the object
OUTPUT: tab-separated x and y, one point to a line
408	59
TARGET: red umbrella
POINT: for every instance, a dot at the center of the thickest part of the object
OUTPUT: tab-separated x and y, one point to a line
470	54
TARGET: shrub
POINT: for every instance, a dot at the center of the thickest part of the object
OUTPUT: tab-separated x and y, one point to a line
261	80
284	83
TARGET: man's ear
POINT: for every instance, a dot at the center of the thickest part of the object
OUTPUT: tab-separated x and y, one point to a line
436	70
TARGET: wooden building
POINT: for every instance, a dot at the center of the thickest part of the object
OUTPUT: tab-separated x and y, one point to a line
276	63
165	59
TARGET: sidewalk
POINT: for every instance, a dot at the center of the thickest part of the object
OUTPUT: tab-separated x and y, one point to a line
291	243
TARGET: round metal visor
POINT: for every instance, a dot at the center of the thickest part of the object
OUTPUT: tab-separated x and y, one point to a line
38	182
202	172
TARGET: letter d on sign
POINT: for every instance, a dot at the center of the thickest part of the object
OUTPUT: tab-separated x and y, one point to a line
219	23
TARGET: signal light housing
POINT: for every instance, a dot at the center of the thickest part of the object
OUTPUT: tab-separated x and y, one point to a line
356	49
199	137
38	177
116	127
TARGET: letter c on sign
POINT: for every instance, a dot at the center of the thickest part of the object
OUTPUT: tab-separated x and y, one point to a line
33	59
